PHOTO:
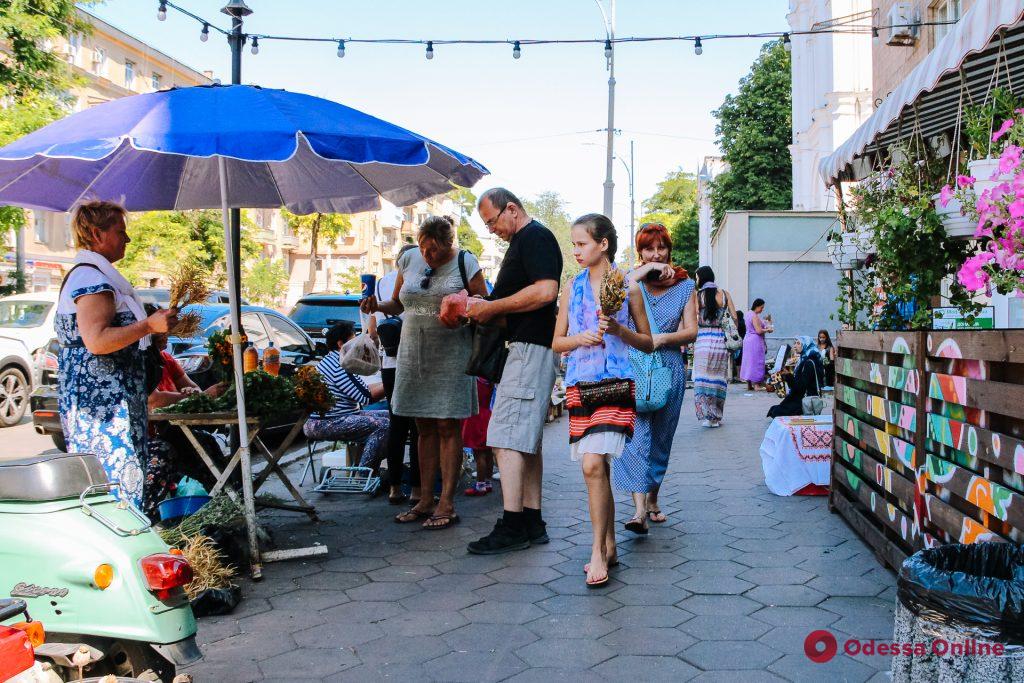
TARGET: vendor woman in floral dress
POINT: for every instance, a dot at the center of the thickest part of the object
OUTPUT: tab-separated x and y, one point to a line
103	329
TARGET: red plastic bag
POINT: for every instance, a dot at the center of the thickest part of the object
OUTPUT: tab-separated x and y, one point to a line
453	309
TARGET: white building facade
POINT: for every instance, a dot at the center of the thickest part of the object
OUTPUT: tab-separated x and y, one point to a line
832	89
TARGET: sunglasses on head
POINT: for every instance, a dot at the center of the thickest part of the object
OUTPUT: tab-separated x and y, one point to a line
427	274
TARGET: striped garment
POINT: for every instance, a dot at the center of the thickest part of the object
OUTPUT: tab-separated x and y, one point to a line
610	418
349	391
710	365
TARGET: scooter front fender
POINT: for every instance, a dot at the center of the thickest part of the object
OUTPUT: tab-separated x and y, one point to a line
49	553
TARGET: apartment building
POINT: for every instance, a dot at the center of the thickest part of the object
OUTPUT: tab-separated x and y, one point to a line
110	64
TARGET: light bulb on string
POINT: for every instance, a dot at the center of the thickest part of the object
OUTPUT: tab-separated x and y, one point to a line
786	42
608	49
161	13
430	49
205	35
698	49
255	45
341	49
516	51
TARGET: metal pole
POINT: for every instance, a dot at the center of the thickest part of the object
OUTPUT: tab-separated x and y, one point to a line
237	40
632	208
609	183
19	257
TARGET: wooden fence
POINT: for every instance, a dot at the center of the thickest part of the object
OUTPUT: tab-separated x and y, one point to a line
929	438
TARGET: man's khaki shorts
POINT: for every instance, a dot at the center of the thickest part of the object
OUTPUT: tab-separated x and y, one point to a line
522	399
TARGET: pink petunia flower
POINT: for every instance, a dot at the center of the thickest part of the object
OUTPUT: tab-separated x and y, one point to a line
945	195
971	274
1016	208
965	181
1003	129
1009	160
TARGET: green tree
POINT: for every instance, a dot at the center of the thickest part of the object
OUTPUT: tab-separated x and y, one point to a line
674	205
348	281
264	281
466	201
29	67
549	208
330	226
163	239
468	239
754	129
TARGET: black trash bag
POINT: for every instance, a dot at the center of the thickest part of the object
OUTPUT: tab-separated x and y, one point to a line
214	601
976	588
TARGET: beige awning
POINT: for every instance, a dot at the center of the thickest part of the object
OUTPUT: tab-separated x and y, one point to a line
930	95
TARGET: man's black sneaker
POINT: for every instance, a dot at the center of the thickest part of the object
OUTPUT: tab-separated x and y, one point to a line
502	539
537	533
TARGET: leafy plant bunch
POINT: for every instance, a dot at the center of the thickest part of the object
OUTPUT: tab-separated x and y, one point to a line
980	120
221	354
999	260
311	391
913	254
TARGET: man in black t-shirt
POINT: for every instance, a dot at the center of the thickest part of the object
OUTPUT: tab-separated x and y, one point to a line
524	296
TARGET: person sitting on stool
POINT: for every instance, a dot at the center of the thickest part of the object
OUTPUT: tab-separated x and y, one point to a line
345	421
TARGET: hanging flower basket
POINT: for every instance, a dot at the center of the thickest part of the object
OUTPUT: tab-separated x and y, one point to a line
958	225
987	173
850	250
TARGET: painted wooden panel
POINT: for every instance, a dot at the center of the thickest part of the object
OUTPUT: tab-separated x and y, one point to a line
894	377
998	501
875	470
894	412
958	527
998	449
889	342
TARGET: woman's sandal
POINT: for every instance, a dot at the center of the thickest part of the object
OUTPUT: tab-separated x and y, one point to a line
600	582
411	515
654	516
636	525
611	565
449	521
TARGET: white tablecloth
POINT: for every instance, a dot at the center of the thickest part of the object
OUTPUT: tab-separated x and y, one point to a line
795	452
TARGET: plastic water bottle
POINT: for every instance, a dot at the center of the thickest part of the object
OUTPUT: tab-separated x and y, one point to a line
272	360
250	359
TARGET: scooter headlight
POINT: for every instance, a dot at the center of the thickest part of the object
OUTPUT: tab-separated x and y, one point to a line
103	576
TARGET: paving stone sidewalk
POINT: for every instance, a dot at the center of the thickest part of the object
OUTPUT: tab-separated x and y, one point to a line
727	590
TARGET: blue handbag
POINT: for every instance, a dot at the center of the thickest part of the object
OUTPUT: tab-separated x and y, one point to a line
653	379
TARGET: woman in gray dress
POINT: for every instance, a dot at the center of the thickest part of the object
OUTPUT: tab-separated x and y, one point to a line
431	384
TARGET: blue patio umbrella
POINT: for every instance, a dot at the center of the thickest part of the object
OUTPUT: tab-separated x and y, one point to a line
234	146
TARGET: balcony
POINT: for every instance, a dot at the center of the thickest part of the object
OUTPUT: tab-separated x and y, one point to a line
289	242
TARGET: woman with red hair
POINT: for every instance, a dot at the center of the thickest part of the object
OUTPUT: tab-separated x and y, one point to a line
672	313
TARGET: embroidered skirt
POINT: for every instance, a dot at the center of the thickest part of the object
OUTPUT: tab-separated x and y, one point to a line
602	430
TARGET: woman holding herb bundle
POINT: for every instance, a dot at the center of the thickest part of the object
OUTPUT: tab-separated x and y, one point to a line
104	334
593	328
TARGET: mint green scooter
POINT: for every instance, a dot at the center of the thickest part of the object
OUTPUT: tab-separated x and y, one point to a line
92	571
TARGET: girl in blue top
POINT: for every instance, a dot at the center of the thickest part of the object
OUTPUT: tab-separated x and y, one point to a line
598	352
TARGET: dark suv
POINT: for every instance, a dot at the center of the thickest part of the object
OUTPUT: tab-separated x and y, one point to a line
316	313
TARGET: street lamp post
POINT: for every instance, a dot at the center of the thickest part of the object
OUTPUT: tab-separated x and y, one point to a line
237	10
630	169
609	183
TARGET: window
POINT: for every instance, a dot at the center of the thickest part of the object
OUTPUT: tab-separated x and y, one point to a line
255	330
945	10
129	74
99	61
39	226
74	47
156	81
69	232
287	337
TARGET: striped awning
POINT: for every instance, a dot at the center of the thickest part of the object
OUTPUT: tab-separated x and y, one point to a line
928	99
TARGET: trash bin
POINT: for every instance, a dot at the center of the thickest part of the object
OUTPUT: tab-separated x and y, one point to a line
960	614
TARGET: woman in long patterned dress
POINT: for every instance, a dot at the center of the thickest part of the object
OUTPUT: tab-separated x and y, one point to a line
754	346
103	329
597	346
431	384
668	290
710	357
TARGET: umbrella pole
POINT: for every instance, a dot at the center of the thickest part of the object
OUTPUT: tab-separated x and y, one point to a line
231	250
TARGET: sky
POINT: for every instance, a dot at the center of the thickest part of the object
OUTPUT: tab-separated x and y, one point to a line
532	122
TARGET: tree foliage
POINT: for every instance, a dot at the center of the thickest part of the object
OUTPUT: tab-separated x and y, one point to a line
549	209
163	239
264	281
468	239
348	281
330	226
674	205
754	129
27	27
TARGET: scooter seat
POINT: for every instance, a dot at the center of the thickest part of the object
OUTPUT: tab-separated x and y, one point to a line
49	477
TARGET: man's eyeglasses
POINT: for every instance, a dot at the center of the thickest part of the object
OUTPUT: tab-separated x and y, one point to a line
427	274
490	224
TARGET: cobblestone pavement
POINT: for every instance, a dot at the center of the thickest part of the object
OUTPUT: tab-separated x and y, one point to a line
727	590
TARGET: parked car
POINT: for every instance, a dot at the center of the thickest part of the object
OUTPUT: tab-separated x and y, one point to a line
161	296
15	381
316	313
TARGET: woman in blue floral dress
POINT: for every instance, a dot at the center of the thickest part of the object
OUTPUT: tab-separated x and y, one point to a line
103	329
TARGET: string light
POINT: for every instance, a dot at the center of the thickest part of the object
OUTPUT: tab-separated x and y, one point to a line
205	35
785	43
698	49
608	49
517	52
255	45
430	49
161	13
341	49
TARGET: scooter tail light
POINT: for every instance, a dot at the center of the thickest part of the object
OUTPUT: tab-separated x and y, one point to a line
164	572
34	631
103	576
